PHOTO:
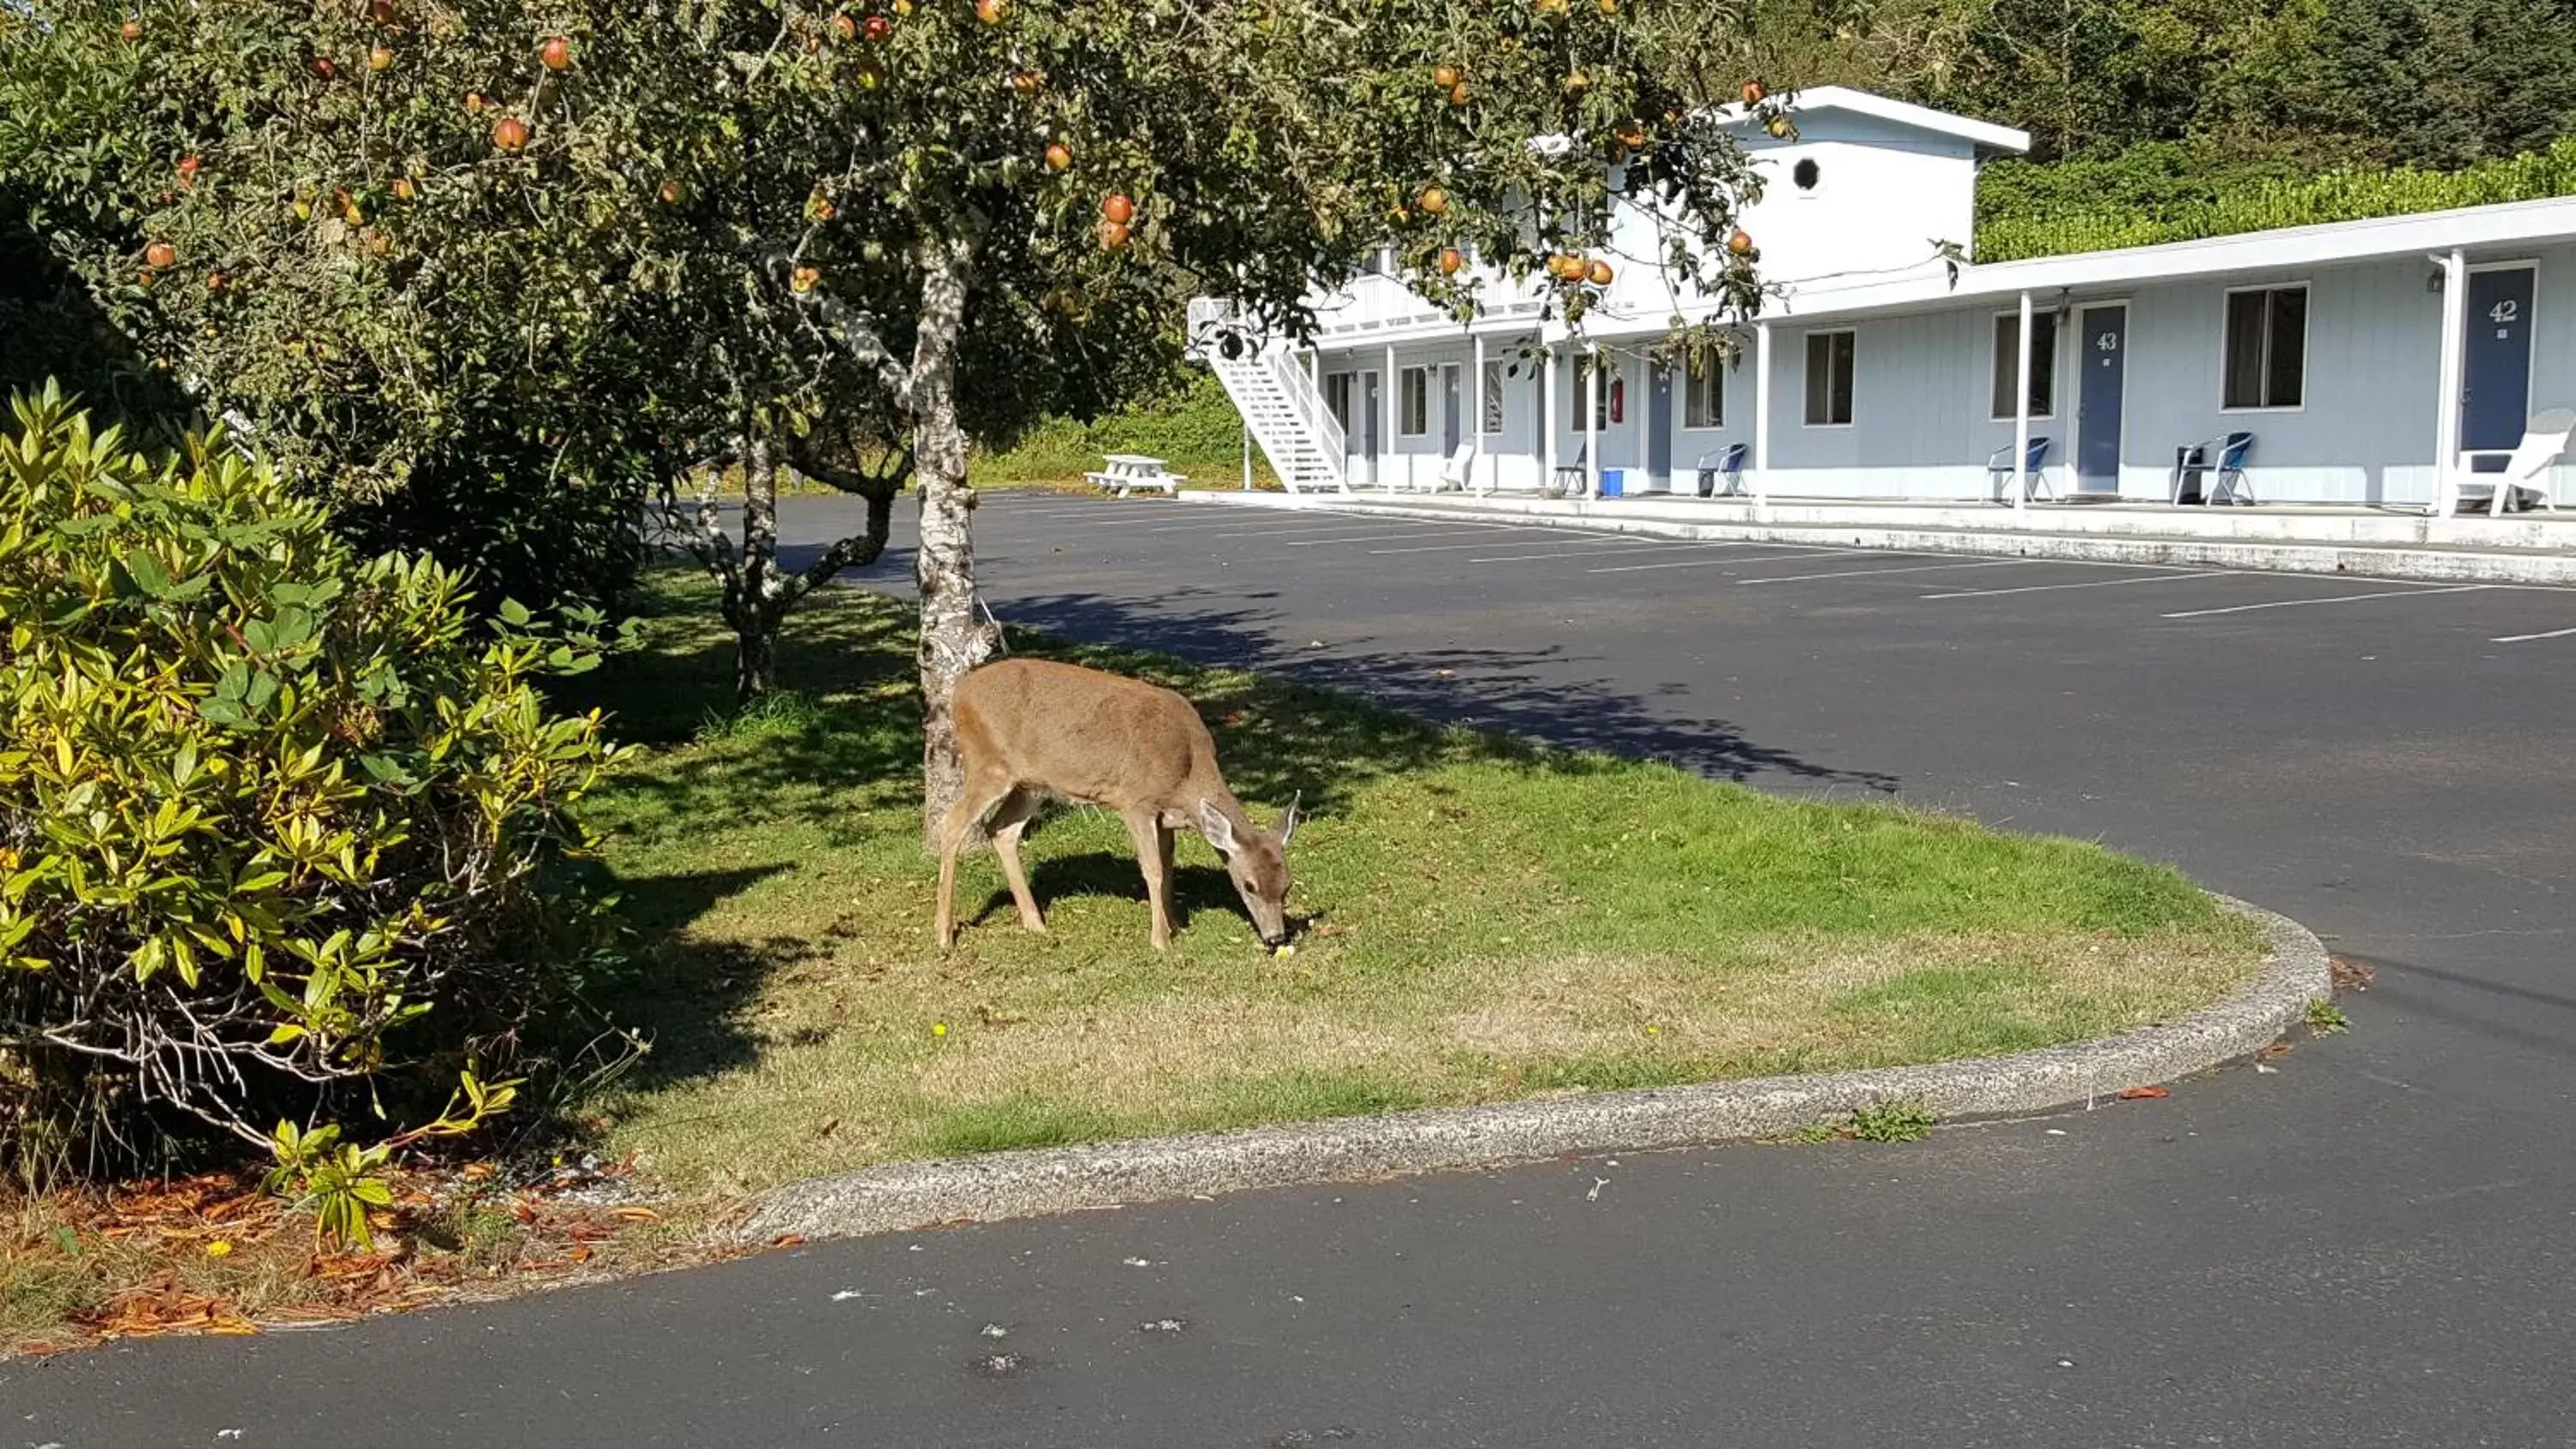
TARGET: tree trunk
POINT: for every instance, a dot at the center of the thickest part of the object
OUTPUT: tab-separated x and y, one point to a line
763	594
954	636
755	657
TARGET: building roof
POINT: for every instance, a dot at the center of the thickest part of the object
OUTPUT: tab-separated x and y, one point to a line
1985	135
2475	229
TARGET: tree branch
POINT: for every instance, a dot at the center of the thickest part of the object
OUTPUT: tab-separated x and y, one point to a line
856	333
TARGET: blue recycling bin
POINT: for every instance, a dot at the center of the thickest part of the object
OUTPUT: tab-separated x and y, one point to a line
1613	482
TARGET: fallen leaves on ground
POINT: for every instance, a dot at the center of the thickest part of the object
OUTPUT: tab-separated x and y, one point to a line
213	1254
2350	975
2133	1094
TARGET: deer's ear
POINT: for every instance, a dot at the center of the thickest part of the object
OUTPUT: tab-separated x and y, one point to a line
1218	830
1288	820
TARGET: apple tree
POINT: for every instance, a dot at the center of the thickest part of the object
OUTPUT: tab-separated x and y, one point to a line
1018	181
312	219
507	243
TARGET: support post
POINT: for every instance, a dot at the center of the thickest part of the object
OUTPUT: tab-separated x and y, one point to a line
2446	411
1592	422
2021	414
1476	422
1547	415
1762	420
1247	455
1386	416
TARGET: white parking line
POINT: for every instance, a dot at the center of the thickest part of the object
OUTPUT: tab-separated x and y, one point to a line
2094	584
1570	538
2527	638
1355	523
2336	599
1693	563
1382	537
1591	550
1996	563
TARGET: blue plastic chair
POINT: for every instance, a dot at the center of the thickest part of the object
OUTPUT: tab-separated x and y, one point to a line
1729	467
2034	481
2220	462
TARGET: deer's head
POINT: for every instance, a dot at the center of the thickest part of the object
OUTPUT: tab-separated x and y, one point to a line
1257	860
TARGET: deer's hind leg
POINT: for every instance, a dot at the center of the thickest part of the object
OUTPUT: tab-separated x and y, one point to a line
1010	822
973	804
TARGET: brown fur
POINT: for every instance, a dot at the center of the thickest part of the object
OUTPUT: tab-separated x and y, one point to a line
1030	731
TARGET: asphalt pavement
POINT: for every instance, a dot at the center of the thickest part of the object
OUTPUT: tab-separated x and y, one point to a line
2369	1243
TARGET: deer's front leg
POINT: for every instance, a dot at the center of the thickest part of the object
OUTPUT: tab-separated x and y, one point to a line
1151	847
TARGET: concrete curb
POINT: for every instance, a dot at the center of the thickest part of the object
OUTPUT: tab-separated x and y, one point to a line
2389	561
1006	1185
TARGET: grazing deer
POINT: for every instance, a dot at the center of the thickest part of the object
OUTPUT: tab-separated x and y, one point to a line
1030	731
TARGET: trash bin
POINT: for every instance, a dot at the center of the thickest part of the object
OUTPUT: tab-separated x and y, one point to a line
1613	482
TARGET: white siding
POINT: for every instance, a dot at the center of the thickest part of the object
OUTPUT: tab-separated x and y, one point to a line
1923	392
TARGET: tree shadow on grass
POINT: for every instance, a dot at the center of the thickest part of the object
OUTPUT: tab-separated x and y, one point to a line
1522	695
675	991
1195	888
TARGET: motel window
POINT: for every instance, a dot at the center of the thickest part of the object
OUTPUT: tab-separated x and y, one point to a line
1337	398
2267	348
1493	398
1830	356
1413	416
1704	394
1601	417
2043	363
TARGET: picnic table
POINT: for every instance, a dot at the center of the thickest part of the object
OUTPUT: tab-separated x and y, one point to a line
1126	471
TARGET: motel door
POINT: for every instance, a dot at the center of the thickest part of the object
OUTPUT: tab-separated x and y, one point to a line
1452	413
2495	389
2100	390
1659	429
1361	437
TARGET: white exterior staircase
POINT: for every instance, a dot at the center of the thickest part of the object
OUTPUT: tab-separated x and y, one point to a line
1278	402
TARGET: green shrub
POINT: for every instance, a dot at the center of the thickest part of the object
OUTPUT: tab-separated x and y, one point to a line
2169	192
280	826
1193	427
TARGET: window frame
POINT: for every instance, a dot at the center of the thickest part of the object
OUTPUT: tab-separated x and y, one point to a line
1713	380
1996	357
1806	381
2307	316
1406	379
1600	395
1341	397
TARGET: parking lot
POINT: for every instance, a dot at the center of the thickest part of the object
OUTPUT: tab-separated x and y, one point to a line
1053	534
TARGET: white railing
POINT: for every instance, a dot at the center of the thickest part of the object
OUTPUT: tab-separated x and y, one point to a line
1317	419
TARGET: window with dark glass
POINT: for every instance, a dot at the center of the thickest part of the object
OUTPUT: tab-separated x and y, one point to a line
2266	364
1830	359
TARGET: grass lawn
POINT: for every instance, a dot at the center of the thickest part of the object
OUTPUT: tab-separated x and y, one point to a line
1483	920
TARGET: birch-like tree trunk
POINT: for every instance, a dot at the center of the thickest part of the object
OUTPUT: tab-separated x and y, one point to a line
954	635
764	595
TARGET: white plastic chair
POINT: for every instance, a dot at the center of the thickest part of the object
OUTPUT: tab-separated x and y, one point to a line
1453	474
2544	438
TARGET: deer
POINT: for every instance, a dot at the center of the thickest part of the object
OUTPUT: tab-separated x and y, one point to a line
1031	732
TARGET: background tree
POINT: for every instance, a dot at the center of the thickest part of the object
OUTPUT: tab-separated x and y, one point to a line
305	217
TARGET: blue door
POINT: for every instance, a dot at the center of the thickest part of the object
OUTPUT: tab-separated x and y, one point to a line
2103	347
2495	382
1659	430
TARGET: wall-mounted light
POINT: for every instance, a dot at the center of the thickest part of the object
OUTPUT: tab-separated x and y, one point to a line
2433	283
